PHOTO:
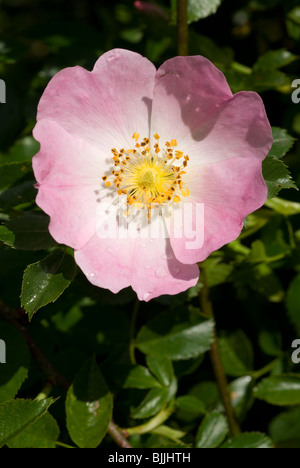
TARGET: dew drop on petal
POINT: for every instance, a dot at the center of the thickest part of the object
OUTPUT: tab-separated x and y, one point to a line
161	272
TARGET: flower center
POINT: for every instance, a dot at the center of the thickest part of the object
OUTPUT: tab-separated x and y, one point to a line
148	176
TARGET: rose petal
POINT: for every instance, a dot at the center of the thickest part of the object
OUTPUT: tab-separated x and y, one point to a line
69	173
187	91
148	265
106	106
239	127
229	191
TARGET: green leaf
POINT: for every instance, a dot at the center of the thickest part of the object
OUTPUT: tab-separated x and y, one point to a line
162	368
276	59
45	281
249	440
264	80
281	390
27	232
207	393
270	342
277	176
17	415
294	15
283	207
293	23
138	377
282	142
202	9
176	335
22	150
10	173
286	426
189	408
88	406
41	434
293	302
236	354
212	431
155	400
15	371
267	283
216	271
21	196
241	392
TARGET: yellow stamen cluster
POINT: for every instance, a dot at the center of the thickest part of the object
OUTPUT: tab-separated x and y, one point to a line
148	176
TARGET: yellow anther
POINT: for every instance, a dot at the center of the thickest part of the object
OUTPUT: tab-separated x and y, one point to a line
185	192
147	174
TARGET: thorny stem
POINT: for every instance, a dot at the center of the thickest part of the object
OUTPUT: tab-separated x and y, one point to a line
132	331
182	27
215	358
53	377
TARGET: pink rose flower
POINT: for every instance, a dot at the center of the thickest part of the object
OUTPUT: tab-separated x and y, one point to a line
130	148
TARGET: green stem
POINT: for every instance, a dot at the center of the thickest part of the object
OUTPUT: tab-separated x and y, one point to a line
265	370
215	358
241	68
170	433
132	332
182	27
45	392
291	234
155	422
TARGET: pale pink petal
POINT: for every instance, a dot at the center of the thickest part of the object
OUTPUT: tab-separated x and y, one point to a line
239	127
106	106
187	91
229	190
68	172
148	265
